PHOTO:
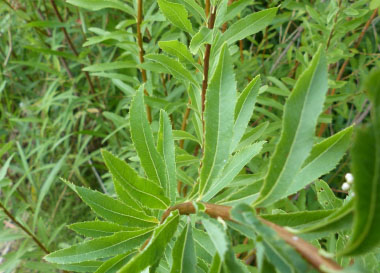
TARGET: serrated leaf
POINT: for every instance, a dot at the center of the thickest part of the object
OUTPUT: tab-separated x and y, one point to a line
165	146
156	247
179	134
203	36
102	4
252	135
176	14
184	259
232	169
323	157
89	266
177	49
145	191
244	109
249	25
173	66
300	118
366	171
143	141
98	228
120	242
219	119
114	210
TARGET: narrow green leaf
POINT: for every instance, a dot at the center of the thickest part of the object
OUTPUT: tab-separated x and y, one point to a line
244	109
216	265
184	259
219	119
249	25
300	118
165	147
102	4
145	191
252	135
143	140
156	247
120	242
177	49
323	157
109	66
89	266
98	228
114	210
176	14
203	36
232	169
173	66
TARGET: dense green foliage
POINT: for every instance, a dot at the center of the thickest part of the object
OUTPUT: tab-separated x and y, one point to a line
194	131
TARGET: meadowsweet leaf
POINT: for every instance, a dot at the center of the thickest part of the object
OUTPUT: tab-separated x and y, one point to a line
366	171
326	196
89	266
153	252
98	228
216	265
114	210
300	118
114	264
279	253
145	191
178	49
165	146
102	4
184	259
203	36
173	66
176	14
249	25
120	242
232	169
219	119
323	157
195	9
252	135
143	141
244	109
235	8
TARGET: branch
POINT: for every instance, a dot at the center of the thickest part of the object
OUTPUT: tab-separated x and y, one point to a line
31	235
307	251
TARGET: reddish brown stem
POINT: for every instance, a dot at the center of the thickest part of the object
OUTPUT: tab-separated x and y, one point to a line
343	67
307	251
141	52
206	61
207	7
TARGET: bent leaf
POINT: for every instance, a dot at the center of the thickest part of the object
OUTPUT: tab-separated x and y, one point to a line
176	14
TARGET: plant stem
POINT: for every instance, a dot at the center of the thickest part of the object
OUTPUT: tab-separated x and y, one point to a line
343	67
31	235
307	251
141	51
206	61
71	45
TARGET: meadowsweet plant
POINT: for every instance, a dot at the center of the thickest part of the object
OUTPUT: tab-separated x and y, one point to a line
220	176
